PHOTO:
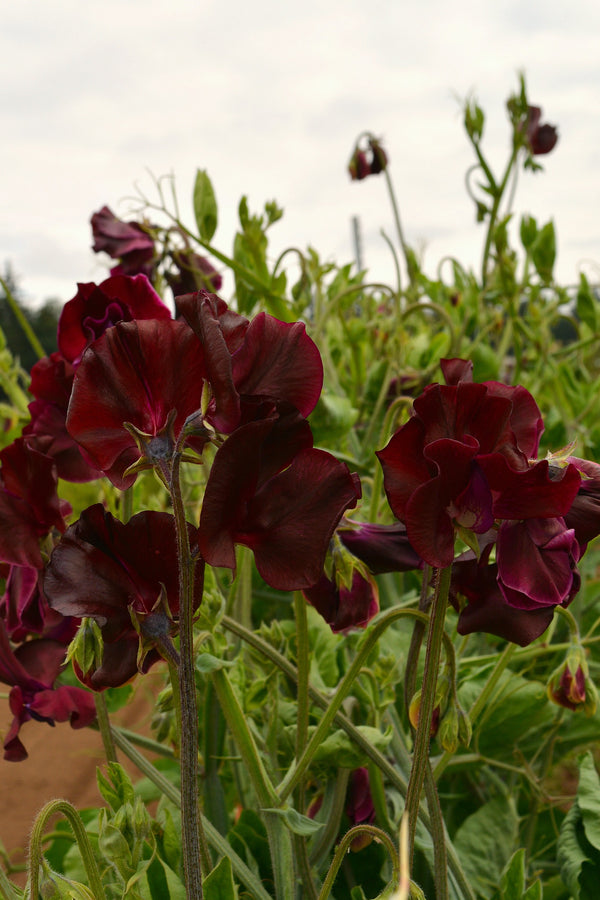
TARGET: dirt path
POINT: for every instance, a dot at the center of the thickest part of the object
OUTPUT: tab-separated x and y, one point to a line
61	763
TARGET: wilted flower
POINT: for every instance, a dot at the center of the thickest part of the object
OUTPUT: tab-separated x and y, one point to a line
129	242
542	138
193	273
371	161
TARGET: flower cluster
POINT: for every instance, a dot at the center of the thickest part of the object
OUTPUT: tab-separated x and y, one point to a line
465	464
132	244
128	389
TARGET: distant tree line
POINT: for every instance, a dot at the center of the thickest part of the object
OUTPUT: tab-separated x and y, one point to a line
43	320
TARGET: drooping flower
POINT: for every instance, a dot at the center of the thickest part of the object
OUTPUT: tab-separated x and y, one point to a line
345	607
192	273
383	548
140	373
25	610
270	490
584	514
51	385
360	808
125	576
570	685
94	308
537	563
129	242
542	138
463	460
31	671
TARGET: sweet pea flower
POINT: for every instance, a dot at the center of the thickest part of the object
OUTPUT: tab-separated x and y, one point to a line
94	308
360	808
125	576
192	272
51	385
345	607
148	373
29	504
463	460
542	138
129	242
31	671
271	491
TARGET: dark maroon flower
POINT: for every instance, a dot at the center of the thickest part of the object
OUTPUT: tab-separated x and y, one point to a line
487	610
29	504
542	138
383	548
359	166
31	671
270	490
94	308
367	162
584	514
262	359
193	273
537	563
140	373
25	610
569	689
119	574
464	459
51	385
128	242
345	607
359	806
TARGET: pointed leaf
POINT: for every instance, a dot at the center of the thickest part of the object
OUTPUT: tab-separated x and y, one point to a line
219	885
296	822
205	205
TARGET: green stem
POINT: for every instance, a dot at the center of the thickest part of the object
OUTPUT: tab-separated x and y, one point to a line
277	832
498	191
87	854
387	769
420	761
22	320
343	847
302	712
438	836
104	726
191	824
214	838
378	626
7	890
399	230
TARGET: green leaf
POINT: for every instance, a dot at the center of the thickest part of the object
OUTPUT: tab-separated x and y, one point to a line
534	891
529	231
569	854
512	883
161	882
218	884
296	822
484	843
340	751
118	790
588	799
586	304
543	252
207	663
205	206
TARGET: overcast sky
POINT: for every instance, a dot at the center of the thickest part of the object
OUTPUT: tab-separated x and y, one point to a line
269	97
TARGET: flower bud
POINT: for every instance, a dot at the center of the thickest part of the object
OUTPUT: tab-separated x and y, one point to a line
570	685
